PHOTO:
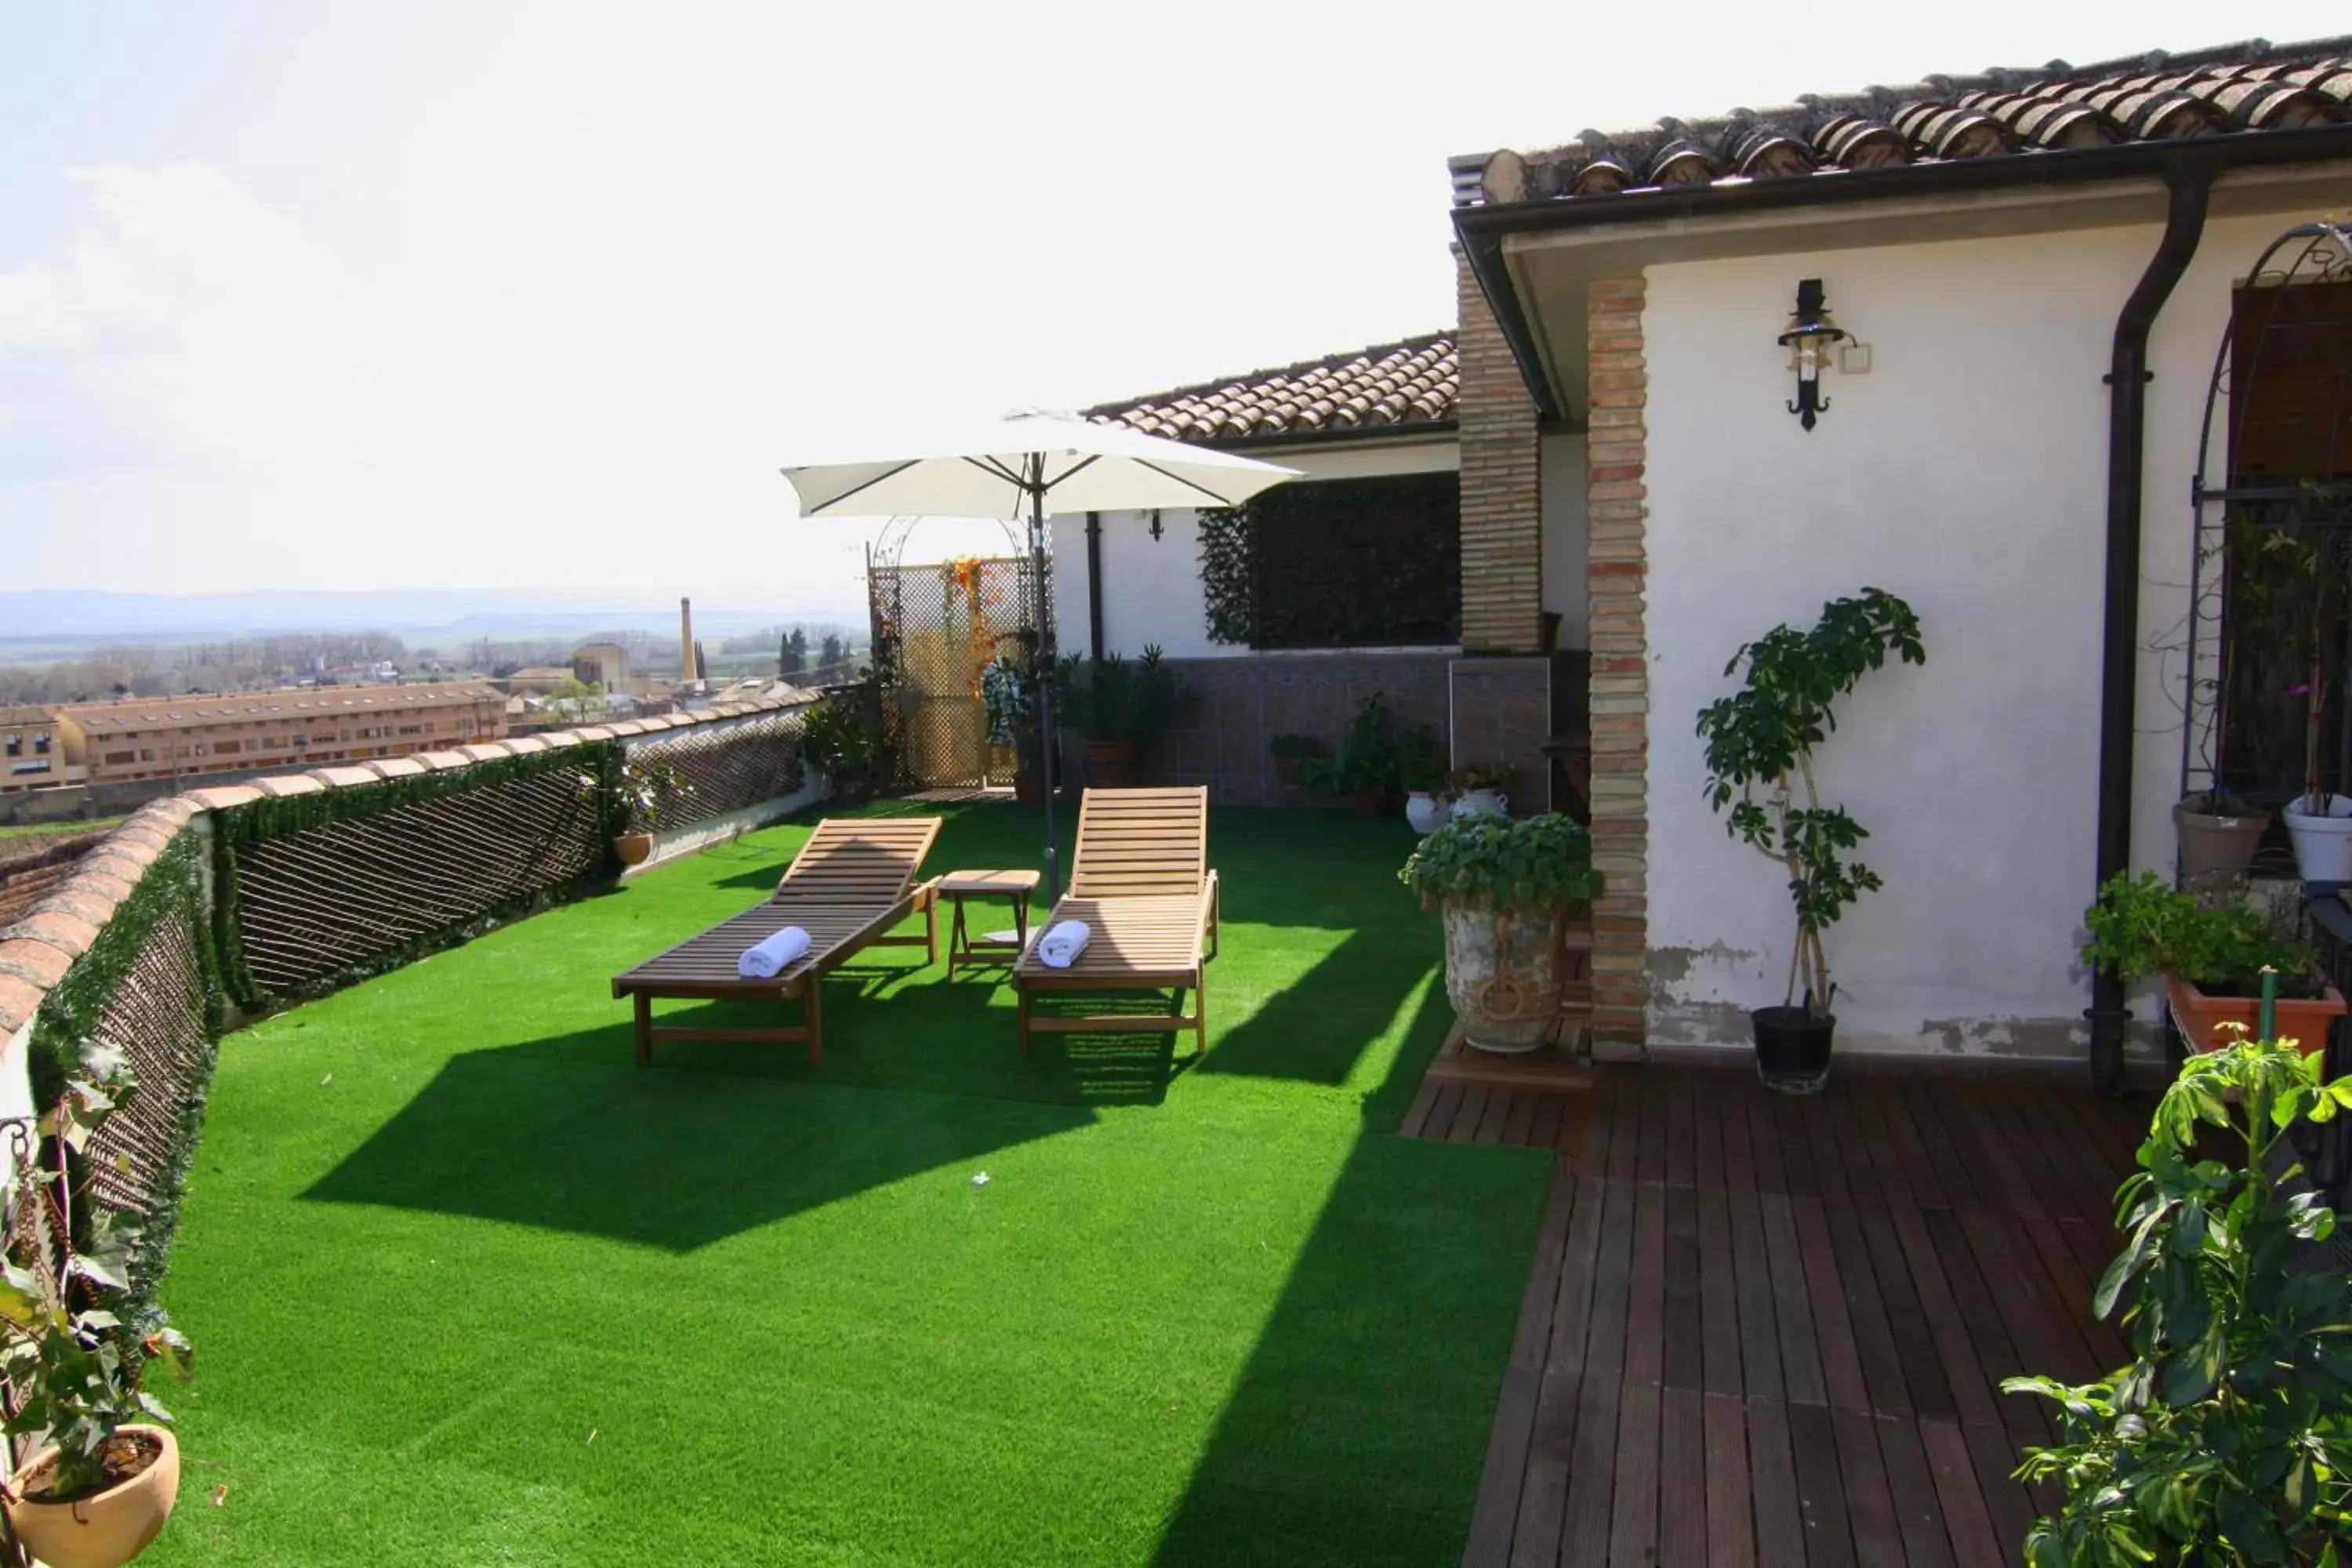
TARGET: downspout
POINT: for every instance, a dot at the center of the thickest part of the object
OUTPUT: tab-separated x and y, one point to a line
2189	182
1094	584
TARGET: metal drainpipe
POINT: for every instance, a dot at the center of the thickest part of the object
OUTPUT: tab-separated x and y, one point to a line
1094	584
2190	181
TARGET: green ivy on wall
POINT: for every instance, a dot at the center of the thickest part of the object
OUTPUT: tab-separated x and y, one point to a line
1337	563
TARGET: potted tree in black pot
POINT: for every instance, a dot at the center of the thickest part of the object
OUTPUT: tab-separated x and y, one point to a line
1760	762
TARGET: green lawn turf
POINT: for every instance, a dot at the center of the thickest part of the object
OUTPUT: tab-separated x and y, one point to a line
468	1287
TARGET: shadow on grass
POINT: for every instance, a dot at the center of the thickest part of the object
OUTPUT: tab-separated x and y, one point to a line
1359	1428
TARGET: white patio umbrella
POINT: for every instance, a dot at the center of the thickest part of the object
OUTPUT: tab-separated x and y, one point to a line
1017	467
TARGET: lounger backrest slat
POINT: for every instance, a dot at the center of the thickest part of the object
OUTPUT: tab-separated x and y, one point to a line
859	859
1142	842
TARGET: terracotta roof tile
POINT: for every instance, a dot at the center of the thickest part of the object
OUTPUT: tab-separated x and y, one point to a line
2254	86
1389	388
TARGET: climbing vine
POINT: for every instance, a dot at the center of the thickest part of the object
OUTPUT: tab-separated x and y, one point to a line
1337	563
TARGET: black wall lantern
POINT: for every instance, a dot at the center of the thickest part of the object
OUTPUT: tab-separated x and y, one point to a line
1155	525
1811	333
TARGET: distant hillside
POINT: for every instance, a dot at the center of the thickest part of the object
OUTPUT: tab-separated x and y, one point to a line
60	616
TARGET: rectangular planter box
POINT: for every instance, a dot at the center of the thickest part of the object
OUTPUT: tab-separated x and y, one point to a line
2199	1017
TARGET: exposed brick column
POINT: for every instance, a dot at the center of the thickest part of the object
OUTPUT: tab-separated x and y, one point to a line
1502	515
1617	510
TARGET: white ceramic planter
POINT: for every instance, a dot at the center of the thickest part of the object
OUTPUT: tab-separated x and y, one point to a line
2323	845
1482	803
1424	810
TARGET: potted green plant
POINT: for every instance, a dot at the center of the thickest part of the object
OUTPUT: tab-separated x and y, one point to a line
1505	890
1481	789
1011	708
1759	745
1421	769
650	786
2219	834
106	1468
1119	708
841	740
1364	771
2225	1441
1289	751
2212	956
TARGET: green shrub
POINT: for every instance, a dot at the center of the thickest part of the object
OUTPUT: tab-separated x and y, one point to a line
2228	1440
2144	926
1533	862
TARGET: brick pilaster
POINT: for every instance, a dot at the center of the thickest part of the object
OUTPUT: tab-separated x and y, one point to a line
1617	512
1502	516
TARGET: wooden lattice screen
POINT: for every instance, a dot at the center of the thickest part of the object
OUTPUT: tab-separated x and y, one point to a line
156	1017
722	771
335	900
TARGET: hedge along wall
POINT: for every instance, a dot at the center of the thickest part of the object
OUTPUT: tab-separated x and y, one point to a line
173	922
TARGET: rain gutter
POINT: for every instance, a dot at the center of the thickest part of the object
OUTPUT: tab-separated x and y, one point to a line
2189	184
1094	584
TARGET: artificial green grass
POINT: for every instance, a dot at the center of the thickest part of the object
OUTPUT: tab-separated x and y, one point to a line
468	1287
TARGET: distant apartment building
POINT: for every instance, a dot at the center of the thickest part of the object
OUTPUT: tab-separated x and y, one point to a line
171	737
33	751
604	665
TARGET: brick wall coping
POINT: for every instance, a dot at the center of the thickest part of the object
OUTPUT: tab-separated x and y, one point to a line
37	950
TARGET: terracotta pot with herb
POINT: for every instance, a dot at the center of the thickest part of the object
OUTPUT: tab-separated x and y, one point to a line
2211	956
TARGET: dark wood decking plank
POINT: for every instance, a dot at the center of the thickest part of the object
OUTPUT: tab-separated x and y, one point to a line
1521	1119
1633	1510
1494	1514
1625	1123
1796	1148
1681	1477
1965	1521
1764	1139
1591	1469
1684	1365
1543	1494
1820	1493
1870	1507
2048	1324
1464	1126
1718	1294
1490	1121
1834	1335
1994	1458
1730	1524
1416	1116
1706	1129
1543	1132
1440	1112
1793	1315
1912	1484
1773	1467
1760	1352
1651	1163
1819	1113
1873	1337
1971	1329
1682	1131
1934	1182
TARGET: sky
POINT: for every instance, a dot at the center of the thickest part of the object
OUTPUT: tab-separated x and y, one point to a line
494	294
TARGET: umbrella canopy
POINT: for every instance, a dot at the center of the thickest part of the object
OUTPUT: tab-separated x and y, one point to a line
1022	466
1010	468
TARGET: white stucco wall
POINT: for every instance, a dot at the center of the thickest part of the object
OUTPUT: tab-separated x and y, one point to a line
1966	472
1151	588
1561	477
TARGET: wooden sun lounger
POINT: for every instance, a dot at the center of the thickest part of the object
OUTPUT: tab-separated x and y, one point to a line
851	882
1140	879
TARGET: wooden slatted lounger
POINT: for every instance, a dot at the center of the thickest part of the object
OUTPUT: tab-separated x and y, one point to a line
1140	879
851	882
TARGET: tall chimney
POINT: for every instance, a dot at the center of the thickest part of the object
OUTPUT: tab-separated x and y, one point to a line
685	641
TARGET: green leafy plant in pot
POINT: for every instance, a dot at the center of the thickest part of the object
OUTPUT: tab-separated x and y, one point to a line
1505	890
1366	769
105	1470
2227	1440
1759	746
841	739
1289	753
1121	707
2212	956
651	791
1009	700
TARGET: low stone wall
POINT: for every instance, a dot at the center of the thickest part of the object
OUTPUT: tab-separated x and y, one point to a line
1226	742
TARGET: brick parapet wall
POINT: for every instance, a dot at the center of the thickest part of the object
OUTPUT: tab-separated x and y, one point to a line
1617	509
1502	510
36	950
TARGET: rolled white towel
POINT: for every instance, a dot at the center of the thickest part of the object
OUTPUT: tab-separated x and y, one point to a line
1063	942
771	956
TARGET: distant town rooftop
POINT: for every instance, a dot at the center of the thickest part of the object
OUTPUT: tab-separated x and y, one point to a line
182	713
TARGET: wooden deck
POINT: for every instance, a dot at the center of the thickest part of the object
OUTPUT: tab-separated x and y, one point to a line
1770	1331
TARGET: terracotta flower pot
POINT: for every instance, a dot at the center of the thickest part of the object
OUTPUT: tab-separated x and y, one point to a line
1112	764
1286	771
632	847
1029	787
105	1530
2200	1015
1504	974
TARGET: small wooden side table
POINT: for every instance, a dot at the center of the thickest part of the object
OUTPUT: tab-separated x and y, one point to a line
1018	886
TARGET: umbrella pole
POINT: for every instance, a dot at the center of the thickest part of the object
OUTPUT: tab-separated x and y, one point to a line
1044	675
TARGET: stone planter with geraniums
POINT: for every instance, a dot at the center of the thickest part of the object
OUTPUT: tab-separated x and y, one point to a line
2211	956
105	1470
1505	890
1759	762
